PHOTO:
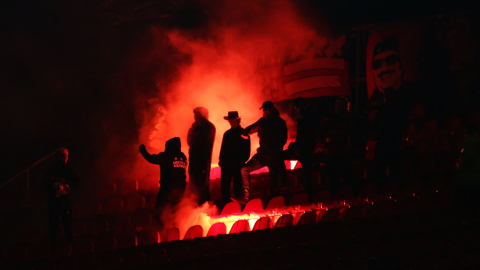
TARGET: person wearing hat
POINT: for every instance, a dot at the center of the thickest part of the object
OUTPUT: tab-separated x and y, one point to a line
173	165
234	152
200	139
272	132
394	99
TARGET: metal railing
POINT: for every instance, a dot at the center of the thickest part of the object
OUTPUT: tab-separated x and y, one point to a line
27	171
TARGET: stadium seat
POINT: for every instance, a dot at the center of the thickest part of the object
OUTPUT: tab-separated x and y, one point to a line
441	145
89	262
406	167
111	261
417	115
344	193
437	184
451	126
276	202
240	226
82	245
308	217
68	264
429	129
284	221
150	185
449	163
38	250
106	190
172	235
128	186
194	232
390	190
79	227
32	235
217	228
262	224
120	224
97	225
91	209
148	237
413	186
104	243
368	191
356	211
114	205
231	207
155	254
178	252
135	259
151	202
125	240
137	201
142	221
254	206
322	196
299	199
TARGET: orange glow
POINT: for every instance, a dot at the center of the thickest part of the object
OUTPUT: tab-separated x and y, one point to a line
228	70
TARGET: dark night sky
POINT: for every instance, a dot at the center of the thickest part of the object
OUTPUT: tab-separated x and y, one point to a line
60	64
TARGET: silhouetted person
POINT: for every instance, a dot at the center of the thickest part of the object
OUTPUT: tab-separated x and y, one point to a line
304	146
336	136
234	152
201	137
468	172
59	183
395	99
173	165
272	132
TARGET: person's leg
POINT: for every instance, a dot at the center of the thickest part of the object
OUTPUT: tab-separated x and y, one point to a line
255	163
307	167
277	170
237	181
226	174
67	224
53	219
161	203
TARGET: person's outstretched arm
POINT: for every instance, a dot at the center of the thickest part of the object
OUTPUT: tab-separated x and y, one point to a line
154	159
250	129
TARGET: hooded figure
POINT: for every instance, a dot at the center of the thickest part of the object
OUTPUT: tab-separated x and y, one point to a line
272	132
173	164
200	140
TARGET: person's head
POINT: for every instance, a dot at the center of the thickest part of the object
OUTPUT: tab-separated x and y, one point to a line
173	145
300	104
341	105
61	156
233	119
200	113
268	109
386	66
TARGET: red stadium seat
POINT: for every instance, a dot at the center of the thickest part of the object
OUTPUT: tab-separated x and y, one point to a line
91	209
299	199
128	186
104	243
429	128
254	206
179	252
390	190
120	224
148	237
106	190
97	225
356	211
262	224
172	235
240	226
114	205
284	221
368	191
309	217
90	263
276	202
82	245
155	254
79	227
142	221
194	232
231	207
38	250
33	235
135	202
442	145
322	196
125	240
451	126
111	261
217	228
344	193
68	264
135	259
150	185
151	202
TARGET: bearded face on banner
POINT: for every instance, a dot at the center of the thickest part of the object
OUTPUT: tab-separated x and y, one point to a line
386	68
